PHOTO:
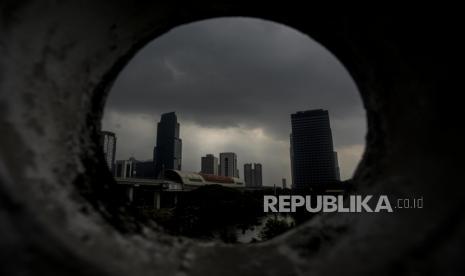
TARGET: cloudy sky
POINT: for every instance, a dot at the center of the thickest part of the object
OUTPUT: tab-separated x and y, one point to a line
233	83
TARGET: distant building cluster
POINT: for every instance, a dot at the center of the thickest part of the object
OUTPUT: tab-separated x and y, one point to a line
226	166
314	163
167	156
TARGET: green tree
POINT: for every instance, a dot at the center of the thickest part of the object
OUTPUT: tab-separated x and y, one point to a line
274	227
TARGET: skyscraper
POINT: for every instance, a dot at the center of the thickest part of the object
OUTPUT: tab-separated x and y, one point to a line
209	164
312	154
248	175
253	175
336	167
108	141
257	175
167	153
228	164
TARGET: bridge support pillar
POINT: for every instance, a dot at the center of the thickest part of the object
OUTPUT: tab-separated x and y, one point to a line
156	200
131	194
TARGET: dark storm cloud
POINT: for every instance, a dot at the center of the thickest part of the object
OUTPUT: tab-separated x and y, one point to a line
234	84
239	72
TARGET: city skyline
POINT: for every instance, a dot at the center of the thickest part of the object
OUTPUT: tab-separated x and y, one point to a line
235	97
312	155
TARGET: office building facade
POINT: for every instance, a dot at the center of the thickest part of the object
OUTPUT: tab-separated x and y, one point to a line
108	142
253	175
257	174
125	168
167	153
209	164
336	167
228	164
144	169
312	155
133	168
248	175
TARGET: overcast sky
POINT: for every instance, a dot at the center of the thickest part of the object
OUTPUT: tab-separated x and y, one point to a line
233	83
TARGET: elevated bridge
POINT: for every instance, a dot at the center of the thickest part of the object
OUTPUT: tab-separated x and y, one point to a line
157	190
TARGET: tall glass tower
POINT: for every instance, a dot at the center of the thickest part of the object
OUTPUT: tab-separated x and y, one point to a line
167	153
312	156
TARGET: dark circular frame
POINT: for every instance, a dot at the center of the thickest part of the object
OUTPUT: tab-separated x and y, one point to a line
60	214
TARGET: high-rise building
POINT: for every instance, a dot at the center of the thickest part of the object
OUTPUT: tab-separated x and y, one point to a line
248	175
253	175
108	141
312	154
257	175
336	167
284	184
125	168
228	164
209	164
167	153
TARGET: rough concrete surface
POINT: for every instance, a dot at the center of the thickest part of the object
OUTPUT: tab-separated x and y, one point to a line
58	215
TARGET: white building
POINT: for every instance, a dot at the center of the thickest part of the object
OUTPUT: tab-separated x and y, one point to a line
125	168
108	141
